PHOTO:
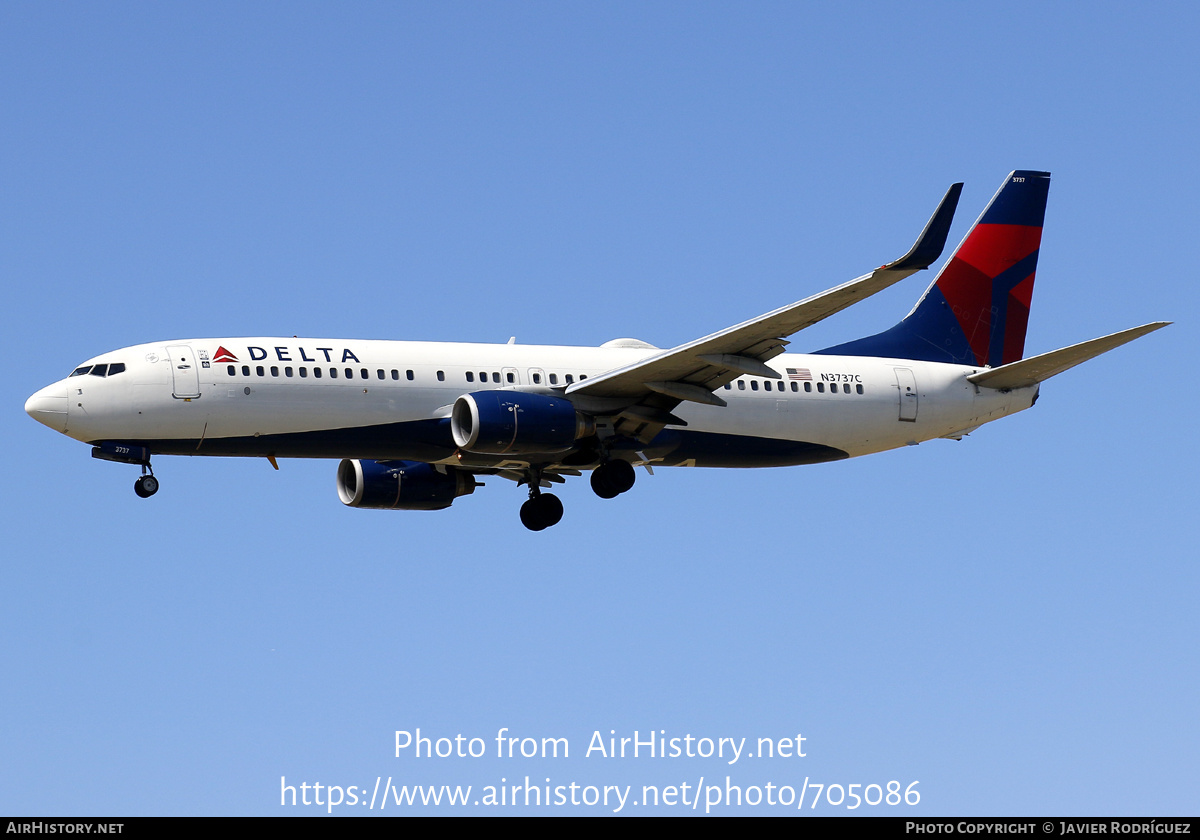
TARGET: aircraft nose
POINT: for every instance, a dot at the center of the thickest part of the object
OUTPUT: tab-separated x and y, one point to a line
49	406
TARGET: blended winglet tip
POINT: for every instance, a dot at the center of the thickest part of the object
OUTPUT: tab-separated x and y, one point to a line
932	241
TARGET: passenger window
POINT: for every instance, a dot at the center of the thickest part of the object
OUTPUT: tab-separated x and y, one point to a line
379	373
511	379
833	388
232	370
333	373
537	379
795	387
349	373
441	376
395	374
470	376
482	376
316	373
409	374
304	373
808	387
259	370
582	377
858	388
728	386
274	370
99	370
287	371
820	387
753	384
554	379
570	377
362	373
245	370
496	377
741	385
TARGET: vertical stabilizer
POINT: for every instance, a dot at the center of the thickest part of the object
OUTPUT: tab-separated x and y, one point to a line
977	308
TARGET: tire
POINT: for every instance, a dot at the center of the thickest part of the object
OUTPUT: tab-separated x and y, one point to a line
621	475
612	479
552	509
542	511
531	515
600	484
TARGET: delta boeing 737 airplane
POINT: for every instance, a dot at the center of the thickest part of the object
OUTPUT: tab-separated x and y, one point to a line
417	424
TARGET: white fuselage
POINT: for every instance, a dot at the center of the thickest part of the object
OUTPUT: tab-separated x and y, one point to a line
345	398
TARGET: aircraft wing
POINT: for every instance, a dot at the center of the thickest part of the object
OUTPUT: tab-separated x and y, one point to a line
694	370
1037	369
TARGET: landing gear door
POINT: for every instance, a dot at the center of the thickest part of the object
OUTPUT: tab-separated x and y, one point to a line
185	375
907	385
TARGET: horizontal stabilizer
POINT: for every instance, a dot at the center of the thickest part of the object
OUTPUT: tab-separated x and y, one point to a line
1037	369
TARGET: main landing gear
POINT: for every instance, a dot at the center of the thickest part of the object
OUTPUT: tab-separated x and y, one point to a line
541	511
613	478
609	480
147	485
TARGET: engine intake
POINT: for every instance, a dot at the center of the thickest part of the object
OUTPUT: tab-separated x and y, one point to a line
401	485
516	423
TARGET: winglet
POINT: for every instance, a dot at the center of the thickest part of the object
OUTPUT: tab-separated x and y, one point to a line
932	241
1037	369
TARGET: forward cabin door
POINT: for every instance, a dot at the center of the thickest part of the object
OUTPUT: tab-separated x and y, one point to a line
907	385
185	376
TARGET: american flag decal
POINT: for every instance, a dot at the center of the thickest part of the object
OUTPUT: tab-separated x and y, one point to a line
801	374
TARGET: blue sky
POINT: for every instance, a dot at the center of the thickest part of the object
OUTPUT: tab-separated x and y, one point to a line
1008	620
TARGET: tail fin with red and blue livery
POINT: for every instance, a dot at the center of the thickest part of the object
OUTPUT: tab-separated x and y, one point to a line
977	309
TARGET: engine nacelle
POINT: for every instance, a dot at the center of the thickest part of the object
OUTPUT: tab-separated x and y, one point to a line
401	485
515	423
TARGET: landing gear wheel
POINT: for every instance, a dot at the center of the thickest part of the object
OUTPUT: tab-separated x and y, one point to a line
541	511
621	475
601	486
146	486
612	479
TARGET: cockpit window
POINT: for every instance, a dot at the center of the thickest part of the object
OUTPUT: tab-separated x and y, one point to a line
111	369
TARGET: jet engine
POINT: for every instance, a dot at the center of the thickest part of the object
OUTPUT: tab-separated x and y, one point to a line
401	485
515	423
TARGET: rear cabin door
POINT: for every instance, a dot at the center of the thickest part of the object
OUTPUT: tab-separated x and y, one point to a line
907	385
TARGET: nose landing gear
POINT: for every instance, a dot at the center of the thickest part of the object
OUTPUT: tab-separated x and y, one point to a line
147	485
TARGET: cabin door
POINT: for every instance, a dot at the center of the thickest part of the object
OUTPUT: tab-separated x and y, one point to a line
907	385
